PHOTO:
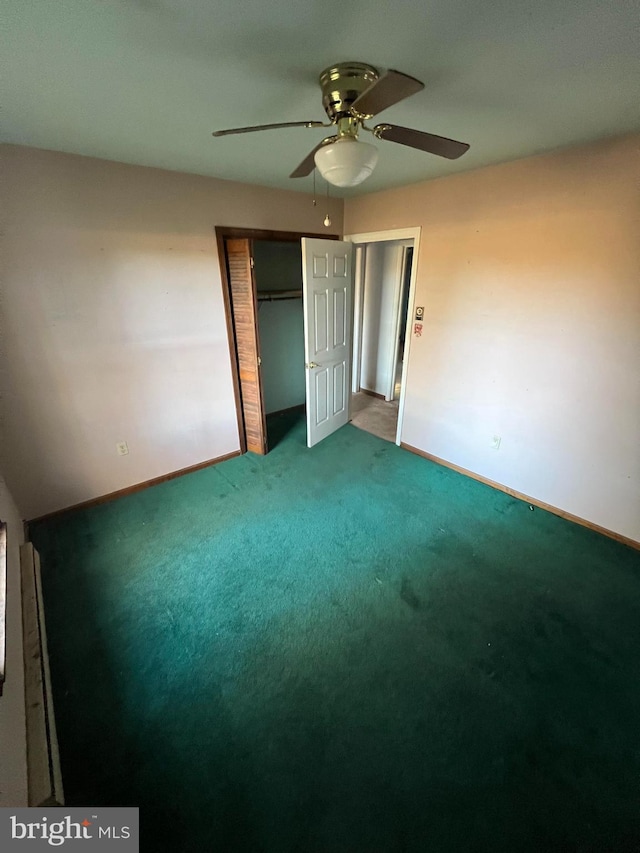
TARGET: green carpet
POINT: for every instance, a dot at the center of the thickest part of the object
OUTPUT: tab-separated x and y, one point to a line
345	649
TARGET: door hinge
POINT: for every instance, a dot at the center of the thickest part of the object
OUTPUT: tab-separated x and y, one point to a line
259	361
251	262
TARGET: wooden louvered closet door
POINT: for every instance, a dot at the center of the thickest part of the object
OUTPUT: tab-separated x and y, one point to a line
245	320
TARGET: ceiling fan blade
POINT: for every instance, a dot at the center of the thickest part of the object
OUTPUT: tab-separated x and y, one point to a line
391	87
440	145
308	164
268	127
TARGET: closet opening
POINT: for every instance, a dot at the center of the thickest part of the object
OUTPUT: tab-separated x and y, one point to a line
278	279
262	288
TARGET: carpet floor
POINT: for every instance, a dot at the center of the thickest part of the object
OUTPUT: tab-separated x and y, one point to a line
345	649
376	416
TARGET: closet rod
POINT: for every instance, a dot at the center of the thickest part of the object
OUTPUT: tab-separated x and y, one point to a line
275	295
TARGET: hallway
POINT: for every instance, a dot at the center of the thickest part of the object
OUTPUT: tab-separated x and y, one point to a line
375	415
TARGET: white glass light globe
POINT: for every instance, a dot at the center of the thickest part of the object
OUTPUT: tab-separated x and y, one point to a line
346	162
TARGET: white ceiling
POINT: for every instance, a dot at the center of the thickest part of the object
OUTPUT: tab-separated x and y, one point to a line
146	81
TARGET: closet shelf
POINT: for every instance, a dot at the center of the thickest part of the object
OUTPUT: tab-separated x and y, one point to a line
276	295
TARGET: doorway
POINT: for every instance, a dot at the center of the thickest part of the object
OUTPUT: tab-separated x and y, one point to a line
384	292
262	285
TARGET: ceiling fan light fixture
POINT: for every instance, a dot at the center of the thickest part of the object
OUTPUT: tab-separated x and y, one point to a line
346	162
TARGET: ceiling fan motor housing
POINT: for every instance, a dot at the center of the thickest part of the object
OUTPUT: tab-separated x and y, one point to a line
341	84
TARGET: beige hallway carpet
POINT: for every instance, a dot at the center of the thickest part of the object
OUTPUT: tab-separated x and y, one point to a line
374	415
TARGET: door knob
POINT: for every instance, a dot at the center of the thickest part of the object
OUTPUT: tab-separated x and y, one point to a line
313	364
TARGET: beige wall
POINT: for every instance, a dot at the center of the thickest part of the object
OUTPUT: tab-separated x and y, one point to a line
530	277
13	743
114	320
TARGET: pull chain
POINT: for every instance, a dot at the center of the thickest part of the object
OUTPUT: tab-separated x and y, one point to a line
327	219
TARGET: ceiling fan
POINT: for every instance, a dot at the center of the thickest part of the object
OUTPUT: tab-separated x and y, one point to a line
352	93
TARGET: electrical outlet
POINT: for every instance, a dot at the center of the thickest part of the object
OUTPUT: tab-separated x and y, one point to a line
495	442
122	448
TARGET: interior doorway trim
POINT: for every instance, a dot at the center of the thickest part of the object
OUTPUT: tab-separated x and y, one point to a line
383	237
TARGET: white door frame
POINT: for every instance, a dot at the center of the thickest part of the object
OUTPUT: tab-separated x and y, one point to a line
358	303
384	236
400	319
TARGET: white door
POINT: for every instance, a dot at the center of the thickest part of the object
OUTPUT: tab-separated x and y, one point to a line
327	294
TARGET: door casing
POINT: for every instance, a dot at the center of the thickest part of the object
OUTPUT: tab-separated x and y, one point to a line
387	236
